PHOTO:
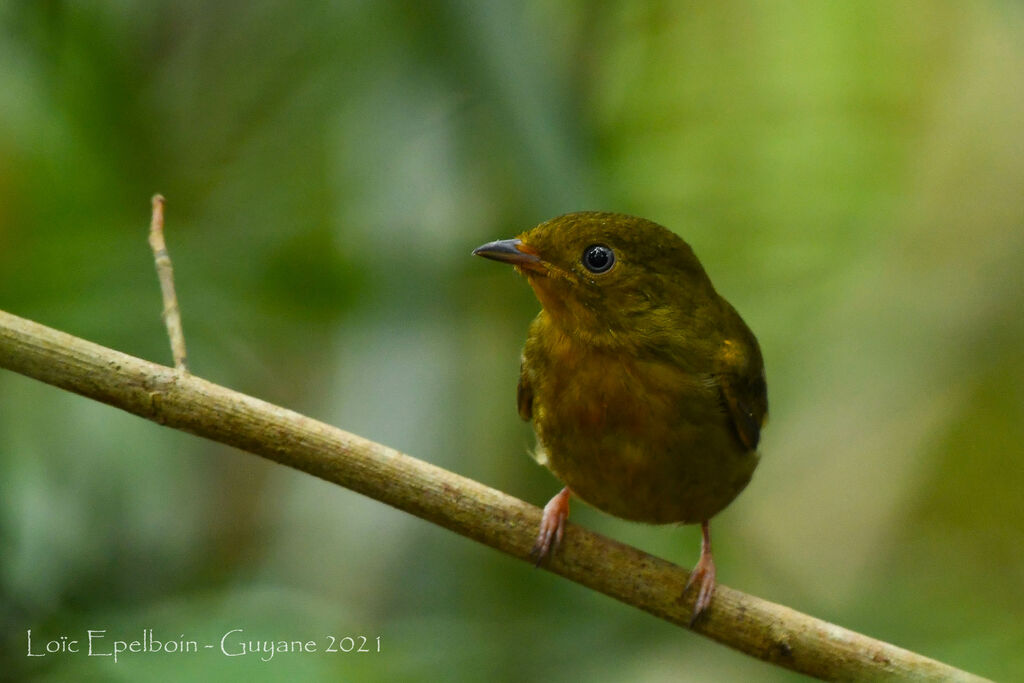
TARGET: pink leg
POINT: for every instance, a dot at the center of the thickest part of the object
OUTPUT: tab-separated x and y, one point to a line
703	575
552	525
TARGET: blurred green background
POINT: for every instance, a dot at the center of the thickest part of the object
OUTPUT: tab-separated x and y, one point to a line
851	175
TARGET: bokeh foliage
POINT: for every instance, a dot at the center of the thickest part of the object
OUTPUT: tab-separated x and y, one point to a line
851	175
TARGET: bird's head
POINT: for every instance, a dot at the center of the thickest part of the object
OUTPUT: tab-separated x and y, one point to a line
611	279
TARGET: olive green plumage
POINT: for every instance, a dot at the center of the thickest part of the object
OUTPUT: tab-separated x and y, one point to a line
645	387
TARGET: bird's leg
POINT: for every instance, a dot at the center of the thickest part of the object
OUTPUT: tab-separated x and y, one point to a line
703	575
552	525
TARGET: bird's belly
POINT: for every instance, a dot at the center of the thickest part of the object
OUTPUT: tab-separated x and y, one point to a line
642	441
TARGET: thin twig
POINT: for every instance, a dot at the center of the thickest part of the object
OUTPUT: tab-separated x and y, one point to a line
164	270
762	629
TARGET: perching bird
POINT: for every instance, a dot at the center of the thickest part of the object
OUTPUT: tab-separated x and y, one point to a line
645	387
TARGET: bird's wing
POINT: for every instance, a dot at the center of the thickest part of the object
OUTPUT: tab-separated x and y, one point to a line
747	403
741	380
524	393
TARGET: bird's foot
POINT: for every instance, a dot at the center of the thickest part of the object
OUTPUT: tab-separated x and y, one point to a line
552	526
703	576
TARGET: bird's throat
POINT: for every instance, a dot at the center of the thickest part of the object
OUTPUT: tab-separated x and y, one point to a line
552	303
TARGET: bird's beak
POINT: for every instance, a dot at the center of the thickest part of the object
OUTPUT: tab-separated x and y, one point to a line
512	251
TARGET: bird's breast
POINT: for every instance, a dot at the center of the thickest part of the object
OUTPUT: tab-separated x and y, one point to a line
639	438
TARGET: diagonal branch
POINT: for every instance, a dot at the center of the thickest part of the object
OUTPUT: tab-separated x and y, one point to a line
759	628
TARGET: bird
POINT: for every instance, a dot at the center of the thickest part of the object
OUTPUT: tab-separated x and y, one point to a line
645	388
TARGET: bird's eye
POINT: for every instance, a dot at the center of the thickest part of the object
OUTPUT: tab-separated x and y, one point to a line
598	258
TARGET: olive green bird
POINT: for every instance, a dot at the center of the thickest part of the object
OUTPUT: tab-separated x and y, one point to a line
645	387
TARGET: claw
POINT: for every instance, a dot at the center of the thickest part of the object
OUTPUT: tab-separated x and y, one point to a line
703	575
552	526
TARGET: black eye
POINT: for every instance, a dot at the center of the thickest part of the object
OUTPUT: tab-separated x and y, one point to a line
598	258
